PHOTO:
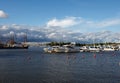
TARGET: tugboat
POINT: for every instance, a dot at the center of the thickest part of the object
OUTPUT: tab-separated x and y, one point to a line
11	44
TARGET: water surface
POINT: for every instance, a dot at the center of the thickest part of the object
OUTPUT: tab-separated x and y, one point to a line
34	66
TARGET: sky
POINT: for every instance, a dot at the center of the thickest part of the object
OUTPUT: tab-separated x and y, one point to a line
60	17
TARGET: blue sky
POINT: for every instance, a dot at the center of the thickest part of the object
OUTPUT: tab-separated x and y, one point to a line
76	15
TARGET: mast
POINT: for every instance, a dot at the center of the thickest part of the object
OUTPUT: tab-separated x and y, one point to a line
12	40
0	39
25	37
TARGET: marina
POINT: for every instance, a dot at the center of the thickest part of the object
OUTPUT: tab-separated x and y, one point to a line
73	48
60	41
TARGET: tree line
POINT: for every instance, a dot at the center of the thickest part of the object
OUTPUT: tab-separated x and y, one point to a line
80	44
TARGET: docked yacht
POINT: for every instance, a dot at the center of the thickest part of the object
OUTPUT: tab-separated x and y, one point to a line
61	49
94	49
108	48
54	49
84	49
58	49
71	48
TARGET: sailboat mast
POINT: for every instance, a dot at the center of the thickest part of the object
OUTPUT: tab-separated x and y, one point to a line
25	37
12	41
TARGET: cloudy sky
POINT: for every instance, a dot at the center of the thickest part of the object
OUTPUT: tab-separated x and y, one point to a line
61	20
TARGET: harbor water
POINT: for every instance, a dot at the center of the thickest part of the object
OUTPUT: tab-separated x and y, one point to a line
33	65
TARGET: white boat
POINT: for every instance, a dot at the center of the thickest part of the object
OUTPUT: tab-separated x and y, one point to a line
62	49
48	49
71	48
84	49
58	49
93	49
108	49
51	49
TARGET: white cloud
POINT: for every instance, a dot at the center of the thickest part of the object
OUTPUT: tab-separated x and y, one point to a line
4	27
16	26
60	34
107	23
3	14
21	34
12	33
66	22
83	24
52	35
103	23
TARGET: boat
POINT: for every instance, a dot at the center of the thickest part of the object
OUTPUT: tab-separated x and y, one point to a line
12	44
61	49
108	48
94	49
48	50
54	49
15	46
84	49
71	48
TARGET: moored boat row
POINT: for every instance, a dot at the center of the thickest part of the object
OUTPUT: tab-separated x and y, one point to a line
98	48
72	48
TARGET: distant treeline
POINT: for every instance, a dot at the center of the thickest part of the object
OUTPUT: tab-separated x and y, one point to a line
58	43
80	44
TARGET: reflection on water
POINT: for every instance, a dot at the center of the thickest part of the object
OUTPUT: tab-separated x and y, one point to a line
35	66
70	58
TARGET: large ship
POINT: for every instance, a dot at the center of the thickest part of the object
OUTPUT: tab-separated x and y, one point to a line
12	44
